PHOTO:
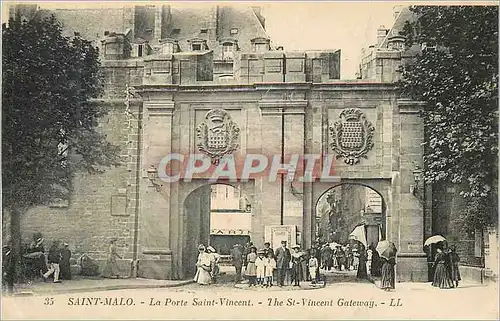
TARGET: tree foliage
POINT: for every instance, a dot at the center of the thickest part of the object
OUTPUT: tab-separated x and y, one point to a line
456	73
49	123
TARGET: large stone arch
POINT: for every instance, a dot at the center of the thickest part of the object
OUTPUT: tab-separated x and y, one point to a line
193	219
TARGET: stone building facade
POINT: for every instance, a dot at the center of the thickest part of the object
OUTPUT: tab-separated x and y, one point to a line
281	102
443	203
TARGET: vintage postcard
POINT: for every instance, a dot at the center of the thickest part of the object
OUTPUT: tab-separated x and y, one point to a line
249	160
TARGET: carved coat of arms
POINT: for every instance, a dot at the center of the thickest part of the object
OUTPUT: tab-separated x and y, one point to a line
352	136
217	134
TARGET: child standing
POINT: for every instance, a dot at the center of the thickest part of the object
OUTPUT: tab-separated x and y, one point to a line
251	269
270	266
260	266
313	267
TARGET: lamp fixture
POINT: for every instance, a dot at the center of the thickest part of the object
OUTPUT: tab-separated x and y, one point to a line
153	177
418	189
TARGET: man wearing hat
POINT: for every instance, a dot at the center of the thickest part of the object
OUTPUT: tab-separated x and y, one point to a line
237	261
282	262
53	259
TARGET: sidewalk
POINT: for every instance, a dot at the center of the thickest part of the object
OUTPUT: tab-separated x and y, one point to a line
90	284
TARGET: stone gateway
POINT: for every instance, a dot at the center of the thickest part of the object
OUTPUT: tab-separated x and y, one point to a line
191	96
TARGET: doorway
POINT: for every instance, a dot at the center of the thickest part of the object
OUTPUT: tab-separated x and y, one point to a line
350	218
217	215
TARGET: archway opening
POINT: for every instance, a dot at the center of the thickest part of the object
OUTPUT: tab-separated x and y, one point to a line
217	215
350	219
230	218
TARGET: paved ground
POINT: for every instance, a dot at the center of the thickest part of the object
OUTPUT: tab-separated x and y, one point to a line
342	298
86	284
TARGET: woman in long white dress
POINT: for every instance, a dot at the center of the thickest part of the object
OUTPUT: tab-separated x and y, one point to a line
203	267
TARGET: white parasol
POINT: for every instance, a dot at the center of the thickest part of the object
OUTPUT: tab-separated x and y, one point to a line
434	239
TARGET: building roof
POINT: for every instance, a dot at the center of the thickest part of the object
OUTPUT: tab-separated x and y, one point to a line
404	15
89	23
184	24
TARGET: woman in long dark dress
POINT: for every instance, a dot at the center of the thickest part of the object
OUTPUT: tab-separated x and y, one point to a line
65	265
296	266
375	268
388	275
362	273
442	277
454	259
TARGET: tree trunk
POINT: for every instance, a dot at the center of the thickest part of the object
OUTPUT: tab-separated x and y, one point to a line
15	260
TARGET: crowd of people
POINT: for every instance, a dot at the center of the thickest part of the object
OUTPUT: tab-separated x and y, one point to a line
267	267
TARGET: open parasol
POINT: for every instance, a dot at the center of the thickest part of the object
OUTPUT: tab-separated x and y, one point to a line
434	239
334	245
386	249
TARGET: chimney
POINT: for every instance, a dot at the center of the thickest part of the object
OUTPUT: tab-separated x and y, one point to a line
396	11
129	20
381	34
258	13
158	22
213	23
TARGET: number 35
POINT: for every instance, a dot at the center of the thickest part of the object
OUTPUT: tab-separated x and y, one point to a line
48	301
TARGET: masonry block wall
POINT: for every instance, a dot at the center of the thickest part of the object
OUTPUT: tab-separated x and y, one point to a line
100	207
104	205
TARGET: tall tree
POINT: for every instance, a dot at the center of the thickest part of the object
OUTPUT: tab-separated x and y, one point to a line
49	122
456	73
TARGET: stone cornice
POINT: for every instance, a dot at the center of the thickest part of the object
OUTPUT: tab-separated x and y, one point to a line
269	86
159	108
409	106
286	107
354	85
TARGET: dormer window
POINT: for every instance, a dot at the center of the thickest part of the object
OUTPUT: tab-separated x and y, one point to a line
198	44
234	31
260	44
227	51
176	31
169	46
204	31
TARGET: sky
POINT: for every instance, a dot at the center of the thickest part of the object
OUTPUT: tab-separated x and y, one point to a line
348	26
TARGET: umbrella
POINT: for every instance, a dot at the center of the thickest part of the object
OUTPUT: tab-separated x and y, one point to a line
386	249
434	239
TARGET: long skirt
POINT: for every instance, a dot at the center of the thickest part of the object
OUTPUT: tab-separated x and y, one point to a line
251	269
455	273
362	273
111	268
202	277
441	277
388	276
